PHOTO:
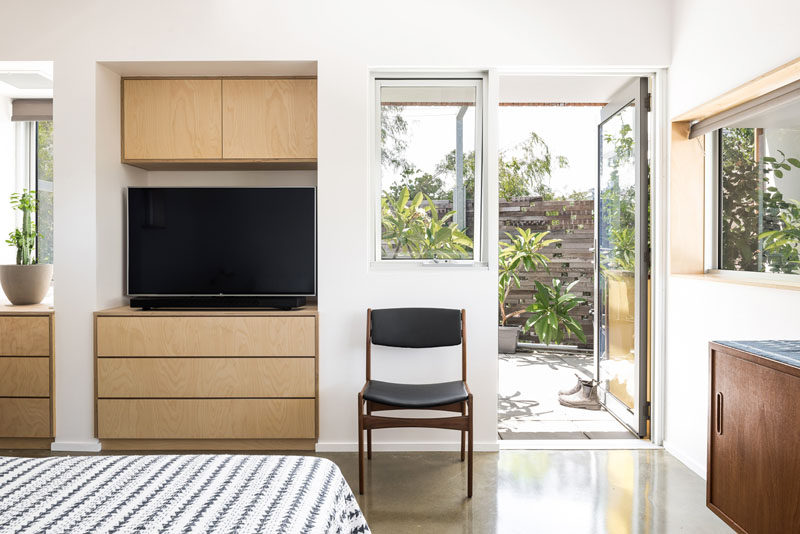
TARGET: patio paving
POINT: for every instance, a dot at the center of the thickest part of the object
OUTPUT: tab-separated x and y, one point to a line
528	405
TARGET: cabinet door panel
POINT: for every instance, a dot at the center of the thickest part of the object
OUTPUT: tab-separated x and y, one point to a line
754	476
172	119
270	119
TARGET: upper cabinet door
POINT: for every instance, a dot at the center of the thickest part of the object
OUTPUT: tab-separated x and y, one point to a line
172	119
269	119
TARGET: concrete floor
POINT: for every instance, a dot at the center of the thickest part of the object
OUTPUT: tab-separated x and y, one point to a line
528	407
560	492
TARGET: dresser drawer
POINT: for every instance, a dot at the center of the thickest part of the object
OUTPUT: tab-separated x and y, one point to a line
206	418
206	336
24	336
24	377
205	377
25	418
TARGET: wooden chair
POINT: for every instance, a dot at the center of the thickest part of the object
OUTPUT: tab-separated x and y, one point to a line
415	328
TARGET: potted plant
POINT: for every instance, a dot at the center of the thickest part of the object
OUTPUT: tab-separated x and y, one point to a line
550	313
27	281
520	253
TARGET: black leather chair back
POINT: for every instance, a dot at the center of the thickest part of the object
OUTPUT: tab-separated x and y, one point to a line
416	327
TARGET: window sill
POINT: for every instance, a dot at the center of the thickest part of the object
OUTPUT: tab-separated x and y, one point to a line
745	279
414	265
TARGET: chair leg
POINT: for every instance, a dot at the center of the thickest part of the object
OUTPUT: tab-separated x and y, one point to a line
463	432
469	461
360	445
369	437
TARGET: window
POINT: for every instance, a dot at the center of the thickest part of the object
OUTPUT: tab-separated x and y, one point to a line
759	198
43	185
428	169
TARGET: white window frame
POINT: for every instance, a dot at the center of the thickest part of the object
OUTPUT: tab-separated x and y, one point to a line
478	80
712	227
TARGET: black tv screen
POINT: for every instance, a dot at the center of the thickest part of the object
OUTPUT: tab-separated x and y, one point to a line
191	241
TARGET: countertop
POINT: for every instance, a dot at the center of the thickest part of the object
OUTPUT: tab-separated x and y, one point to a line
780	350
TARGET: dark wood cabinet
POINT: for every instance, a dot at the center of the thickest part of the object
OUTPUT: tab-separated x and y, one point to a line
753	480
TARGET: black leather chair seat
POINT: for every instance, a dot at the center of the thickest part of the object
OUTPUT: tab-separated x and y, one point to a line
415	395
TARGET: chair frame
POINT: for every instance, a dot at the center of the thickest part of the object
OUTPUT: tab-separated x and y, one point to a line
368	422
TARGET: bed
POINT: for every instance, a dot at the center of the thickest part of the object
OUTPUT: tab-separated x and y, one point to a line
177	493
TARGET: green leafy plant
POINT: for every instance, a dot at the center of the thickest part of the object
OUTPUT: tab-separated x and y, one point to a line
550	313
413	229
520	253
622	255
24	239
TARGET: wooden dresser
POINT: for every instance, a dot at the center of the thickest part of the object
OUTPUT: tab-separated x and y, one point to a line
206	380
753	480
26	377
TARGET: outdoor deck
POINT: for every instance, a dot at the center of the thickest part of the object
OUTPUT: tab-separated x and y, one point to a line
528	405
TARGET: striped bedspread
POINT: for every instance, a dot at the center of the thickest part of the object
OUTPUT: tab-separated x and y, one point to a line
186	493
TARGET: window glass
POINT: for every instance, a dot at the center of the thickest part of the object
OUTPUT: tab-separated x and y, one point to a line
44	190
759	199
430	138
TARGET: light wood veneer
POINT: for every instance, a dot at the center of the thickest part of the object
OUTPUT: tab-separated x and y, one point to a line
27	416
206	380
171	118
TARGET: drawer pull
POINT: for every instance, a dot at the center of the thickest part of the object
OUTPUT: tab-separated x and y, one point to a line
719	413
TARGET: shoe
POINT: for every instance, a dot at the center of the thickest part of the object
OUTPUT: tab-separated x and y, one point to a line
574	389
585	399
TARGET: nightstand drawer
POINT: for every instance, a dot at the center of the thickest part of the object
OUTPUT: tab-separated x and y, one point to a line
25	418
205	377
24	377
24	336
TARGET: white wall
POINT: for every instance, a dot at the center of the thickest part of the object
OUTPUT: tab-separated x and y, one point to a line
718	45
7	180
347	38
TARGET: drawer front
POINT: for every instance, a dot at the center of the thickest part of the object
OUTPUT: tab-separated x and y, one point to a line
24	418
24	377
24	336
206	336
205	418
205	377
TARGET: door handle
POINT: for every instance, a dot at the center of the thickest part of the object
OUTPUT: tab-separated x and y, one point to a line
719	413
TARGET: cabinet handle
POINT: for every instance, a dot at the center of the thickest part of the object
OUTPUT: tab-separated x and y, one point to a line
719	413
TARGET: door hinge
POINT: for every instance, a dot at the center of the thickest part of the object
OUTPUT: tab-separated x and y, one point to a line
648	105
647	409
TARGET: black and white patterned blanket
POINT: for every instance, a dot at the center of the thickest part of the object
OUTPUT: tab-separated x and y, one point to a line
186	493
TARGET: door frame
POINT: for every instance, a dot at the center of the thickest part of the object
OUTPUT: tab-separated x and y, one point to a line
660	129
636	91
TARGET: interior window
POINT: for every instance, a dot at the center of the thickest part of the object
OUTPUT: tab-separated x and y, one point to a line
430	137
759	200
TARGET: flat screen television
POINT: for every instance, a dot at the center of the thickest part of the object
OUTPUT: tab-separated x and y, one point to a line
213	242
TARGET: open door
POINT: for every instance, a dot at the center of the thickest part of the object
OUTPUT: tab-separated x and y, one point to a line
622	256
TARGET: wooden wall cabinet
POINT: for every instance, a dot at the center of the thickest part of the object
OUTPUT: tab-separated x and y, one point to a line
753	480
206	380
219	123
26	377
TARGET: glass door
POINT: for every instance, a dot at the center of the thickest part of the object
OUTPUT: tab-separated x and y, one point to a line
621	256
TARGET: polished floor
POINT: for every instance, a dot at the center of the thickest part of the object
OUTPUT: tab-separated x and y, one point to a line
528	407
559	492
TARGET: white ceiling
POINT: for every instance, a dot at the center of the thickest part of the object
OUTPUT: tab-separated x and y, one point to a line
212	68
26	79
525	88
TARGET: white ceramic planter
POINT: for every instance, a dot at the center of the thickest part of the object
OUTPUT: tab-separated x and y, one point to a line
26	284
508	336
